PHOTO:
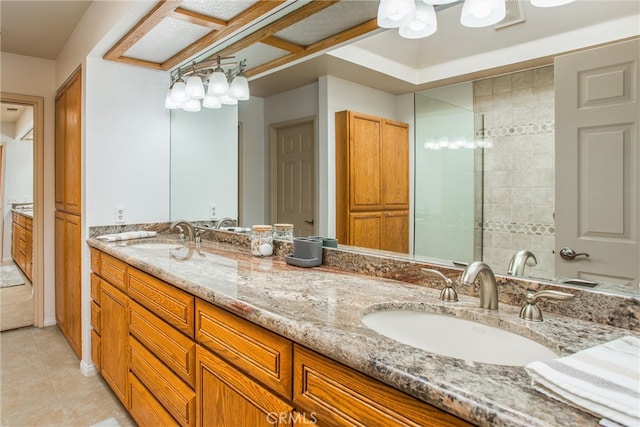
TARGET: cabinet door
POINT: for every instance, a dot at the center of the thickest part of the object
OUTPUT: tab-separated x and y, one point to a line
227	397
60	271
395	231
365	162
395	165
73	282
73	146
365	229
114	340
60	149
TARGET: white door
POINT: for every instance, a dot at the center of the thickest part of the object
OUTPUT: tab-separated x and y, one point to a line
295	177
598	164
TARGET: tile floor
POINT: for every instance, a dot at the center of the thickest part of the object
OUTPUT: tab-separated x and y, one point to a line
42	384
16	306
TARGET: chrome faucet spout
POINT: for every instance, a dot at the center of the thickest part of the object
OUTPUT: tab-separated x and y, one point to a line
487	280
519	260
184	227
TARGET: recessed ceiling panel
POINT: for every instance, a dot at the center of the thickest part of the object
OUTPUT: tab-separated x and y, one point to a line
224	10
165	39
259	53
339	17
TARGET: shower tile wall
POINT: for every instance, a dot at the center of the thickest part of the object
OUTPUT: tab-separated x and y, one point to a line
519	192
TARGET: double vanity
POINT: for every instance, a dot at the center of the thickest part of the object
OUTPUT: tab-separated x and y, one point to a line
197	333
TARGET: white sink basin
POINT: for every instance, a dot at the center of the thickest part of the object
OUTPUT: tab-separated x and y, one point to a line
154	245
456	337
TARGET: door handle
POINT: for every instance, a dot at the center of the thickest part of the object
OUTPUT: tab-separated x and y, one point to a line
569	254
310	222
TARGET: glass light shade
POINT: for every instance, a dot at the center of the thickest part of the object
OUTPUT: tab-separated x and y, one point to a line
482	13
211	102
436	2
194	88
423	25
169	103
396	13
178	93
227	100
239	88
192	105
550	3
218	84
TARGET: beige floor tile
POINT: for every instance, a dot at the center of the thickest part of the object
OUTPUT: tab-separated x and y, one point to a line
50	416
16	307
96	407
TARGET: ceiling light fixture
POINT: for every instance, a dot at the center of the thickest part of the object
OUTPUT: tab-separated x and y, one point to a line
208	85
417	18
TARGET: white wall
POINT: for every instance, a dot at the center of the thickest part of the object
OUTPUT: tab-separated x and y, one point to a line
24	123
255	182
17	180
26	75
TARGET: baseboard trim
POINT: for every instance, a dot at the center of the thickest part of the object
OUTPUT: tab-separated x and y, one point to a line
50	321
88	369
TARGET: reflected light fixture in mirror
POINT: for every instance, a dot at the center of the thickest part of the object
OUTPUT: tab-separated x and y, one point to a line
417	18
222	87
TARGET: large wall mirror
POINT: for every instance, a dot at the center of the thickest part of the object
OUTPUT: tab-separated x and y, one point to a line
490	142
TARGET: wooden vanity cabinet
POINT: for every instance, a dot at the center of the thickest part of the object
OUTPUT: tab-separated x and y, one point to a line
372	181
22	243
337	395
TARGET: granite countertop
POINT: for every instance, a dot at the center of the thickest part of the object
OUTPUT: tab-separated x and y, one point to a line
24	212
320	308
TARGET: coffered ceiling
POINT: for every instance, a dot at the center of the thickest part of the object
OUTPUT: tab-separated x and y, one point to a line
268	34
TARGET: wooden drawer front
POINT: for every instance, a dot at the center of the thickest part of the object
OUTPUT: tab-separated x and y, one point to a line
95	261
96	322
264	355
114	271
169	303
144	408
95	288
177	351
28	223
95	350
338	395
176	397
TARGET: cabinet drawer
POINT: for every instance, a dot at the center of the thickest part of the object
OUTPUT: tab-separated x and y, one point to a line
95	261
174	395
95	350
169	303
114	271
95	288
96	321
264	355
174	349
338	395
144	408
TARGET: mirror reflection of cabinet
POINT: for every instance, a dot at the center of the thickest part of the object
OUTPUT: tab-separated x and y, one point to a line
372	182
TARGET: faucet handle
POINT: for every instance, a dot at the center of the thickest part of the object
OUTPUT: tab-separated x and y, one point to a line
530	311
448	293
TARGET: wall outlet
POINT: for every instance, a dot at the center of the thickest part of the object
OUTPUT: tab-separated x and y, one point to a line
212	211
120	214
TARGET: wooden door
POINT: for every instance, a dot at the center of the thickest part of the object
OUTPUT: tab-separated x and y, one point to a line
395	165
227	397
365	180
365	229
598	164
73	282
73	146
395	231
60	132
60	280
295	180
114	341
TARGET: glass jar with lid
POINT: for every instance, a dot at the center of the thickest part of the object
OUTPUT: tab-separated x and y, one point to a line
283	232
261	240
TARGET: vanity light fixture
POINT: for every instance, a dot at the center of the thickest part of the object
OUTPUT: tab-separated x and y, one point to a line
208	85
417	18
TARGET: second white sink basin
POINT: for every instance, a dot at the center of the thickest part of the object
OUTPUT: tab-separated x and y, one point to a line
456	337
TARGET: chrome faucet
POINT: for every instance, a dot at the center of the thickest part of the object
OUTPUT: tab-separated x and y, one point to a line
488	286
519	260
185	228
229	221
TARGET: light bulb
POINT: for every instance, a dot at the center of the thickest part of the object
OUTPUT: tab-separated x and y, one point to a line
178	94
192	105
218	84
169	103
396	13
239	88
424	24
194	88
482	13
211	102
227	100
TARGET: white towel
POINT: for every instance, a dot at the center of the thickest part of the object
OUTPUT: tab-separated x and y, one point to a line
603	380
129	235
